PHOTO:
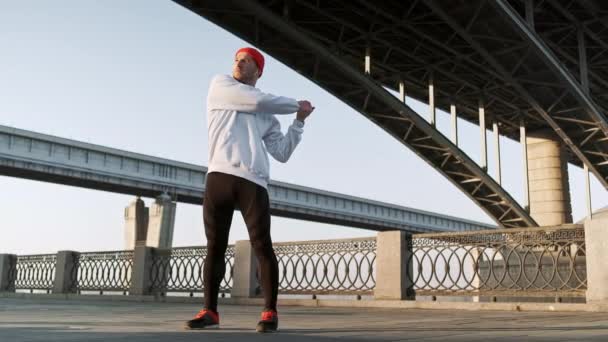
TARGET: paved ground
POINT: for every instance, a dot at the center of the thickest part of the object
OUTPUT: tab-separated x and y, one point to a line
53	320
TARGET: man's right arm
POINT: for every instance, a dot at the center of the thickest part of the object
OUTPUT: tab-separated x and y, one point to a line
229	94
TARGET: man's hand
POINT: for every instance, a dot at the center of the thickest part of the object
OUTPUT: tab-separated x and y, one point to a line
305	109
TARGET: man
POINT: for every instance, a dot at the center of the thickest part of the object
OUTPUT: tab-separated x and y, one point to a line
242	130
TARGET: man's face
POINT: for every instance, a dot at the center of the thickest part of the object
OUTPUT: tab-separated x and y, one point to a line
244	68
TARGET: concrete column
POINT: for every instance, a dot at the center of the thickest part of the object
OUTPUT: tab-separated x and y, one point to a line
142	266
244	281
596	251
475	282
161	222
393	265
136	223
66	272
159	275
548	175
8	272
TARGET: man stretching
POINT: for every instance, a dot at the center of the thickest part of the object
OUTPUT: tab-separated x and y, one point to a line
242	131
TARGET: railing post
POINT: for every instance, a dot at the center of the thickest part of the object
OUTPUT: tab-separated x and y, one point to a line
245	283
394	266
142	266
159	271
8	264
475	281
65	272
596	251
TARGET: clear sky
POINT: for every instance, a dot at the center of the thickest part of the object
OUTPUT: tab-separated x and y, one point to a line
134	75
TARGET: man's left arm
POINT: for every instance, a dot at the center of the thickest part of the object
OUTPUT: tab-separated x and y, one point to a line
282	146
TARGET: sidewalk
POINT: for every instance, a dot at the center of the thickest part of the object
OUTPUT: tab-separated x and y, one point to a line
59	320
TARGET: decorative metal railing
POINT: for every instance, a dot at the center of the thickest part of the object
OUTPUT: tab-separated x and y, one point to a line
545	261
510	262
34	272
323	267
103	271
181	270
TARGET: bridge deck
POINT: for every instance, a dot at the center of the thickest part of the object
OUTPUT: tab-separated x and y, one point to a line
32	155
50	320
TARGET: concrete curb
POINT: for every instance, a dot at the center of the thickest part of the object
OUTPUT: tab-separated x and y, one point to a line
392	304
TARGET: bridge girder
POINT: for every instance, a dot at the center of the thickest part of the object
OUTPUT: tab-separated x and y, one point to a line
331	53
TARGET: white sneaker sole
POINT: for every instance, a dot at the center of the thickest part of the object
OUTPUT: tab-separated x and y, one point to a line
266	331
209	327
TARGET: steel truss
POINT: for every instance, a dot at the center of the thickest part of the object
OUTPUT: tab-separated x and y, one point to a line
515	38
321	42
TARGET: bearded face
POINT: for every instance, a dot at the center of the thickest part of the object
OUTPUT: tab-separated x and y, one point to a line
244	68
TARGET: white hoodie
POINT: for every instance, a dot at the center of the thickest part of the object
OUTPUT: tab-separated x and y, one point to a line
239	118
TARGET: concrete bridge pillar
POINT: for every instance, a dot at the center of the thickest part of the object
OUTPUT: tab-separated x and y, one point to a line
136	223
152	227
161	222
548	177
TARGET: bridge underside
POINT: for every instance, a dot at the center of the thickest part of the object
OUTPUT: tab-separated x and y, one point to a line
475	53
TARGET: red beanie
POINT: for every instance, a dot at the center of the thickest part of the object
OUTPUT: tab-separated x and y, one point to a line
257	57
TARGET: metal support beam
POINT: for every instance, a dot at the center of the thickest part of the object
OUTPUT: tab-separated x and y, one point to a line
368	61
482	129
588	191
497	151
552	61
454	122
582	57
530	13
592	33
503	66
584	75
402	91
524	152
397	25
432	110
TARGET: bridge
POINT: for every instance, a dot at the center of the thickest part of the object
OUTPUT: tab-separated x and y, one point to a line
533	71
36	156
529	70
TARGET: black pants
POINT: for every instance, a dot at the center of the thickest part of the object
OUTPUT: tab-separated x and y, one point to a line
223	193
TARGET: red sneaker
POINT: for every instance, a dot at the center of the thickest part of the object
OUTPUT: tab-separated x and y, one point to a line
269	322
204	319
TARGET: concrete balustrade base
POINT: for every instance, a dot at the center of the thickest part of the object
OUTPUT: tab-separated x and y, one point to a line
395	304
596	249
